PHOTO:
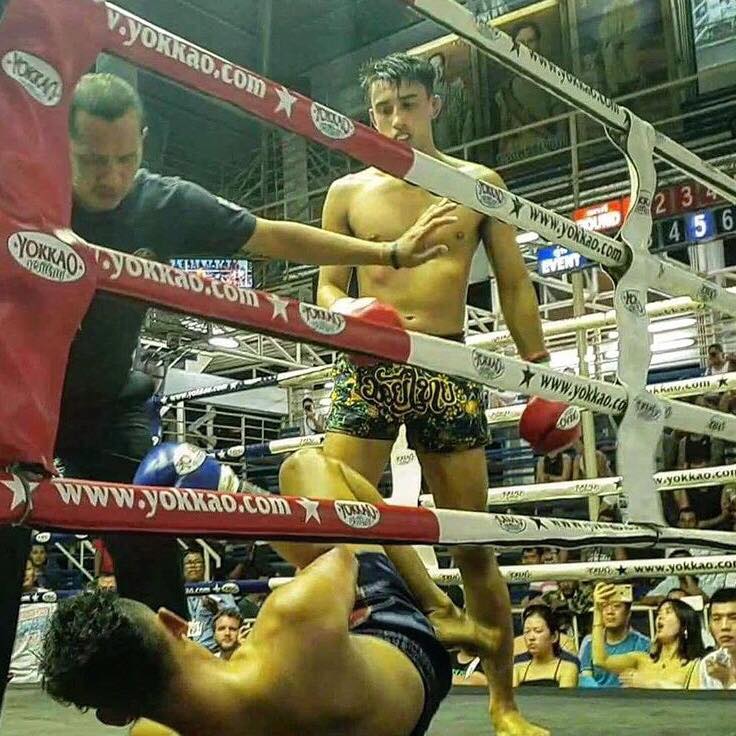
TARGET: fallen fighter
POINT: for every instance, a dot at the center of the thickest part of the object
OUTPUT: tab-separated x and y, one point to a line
343	649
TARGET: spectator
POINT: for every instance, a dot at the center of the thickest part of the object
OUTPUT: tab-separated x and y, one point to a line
30	582
227	625
607	515
728	506
568	601
554	468
467	669
314	423
689	584
103	559
675	654
718	669
545	662
203	609
524	592
603	467
39	558
33	622
620	638
718	361
547	556
107	582
687	518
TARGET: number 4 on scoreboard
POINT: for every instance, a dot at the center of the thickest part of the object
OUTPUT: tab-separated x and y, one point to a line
672	232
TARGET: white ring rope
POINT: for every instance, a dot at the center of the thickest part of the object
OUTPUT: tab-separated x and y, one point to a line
515	532
585	571
670	480
613	570
597	320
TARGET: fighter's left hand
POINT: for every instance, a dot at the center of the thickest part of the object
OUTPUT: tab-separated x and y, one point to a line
412	248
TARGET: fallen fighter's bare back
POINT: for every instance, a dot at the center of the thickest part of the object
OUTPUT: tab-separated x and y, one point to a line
376	206
301	672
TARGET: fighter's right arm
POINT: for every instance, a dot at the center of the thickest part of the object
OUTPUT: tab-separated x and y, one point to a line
321	597
334	280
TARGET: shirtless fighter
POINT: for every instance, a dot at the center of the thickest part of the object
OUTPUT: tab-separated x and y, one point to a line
343	649
444	416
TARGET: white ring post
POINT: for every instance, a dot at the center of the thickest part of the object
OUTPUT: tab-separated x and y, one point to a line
643	421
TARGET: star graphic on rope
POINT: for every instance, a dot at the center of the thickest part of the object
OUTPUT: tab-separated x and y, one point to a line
279	307
621	570
311	508
722	382
528	375
517	206
16	487
539	522
286	101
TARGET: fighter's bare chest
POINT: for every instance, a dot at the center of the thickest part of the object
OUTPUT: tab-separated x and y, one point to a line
386	211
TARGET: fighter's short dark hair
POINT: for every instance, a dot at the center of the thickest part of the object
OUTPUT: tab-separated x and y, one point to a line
395	69
99	652
105	96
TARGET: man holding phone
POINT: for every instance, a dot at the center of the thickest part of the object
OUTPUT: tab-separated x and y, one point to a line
620	639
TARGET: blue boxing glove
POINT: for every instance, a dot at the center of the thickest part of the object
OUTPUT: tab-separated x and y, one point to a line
185	466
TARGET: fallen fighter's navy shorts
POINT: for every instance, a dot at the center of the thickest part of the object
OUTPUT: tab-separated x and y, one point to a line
386	609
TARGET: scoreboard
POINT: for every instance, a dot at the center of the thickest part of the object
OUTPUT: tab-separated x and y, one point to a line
694	227
684	213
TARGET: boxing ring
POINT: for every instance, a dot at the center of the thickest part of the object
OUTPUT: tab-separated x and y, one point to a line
72	504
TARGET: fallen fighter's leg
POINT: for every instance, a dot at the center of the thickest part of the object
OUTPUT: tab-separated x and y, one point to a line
309	472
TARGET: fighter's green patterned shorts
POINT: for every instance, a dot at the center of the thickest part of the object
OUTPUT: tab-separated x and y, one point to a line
441	413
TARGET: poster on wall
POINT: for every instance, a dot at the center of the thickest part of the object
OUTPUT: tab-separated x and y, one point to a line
623	50
714	37
453	83
517	102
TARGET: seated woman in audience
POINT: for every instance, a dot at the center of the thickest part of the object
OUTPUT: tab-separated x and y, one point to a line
545	663
676	649
602	469
554	468
467	669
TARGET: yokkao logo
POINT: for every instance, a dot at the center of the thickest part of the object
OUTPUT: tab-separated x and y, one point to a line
357	515
647	410
489	196
405	458
188	458
569	418
707	293
46	256
512	524
331	123
310	440
488	365
716	424
322	320
49	596
38	77
231	588
633	302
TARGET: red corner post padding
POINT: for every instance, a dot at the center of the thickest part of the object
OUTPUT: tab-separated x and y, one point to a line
46	284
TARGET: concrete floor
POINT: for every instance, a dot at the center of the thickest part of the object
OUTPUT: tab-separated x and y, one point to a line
28	712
